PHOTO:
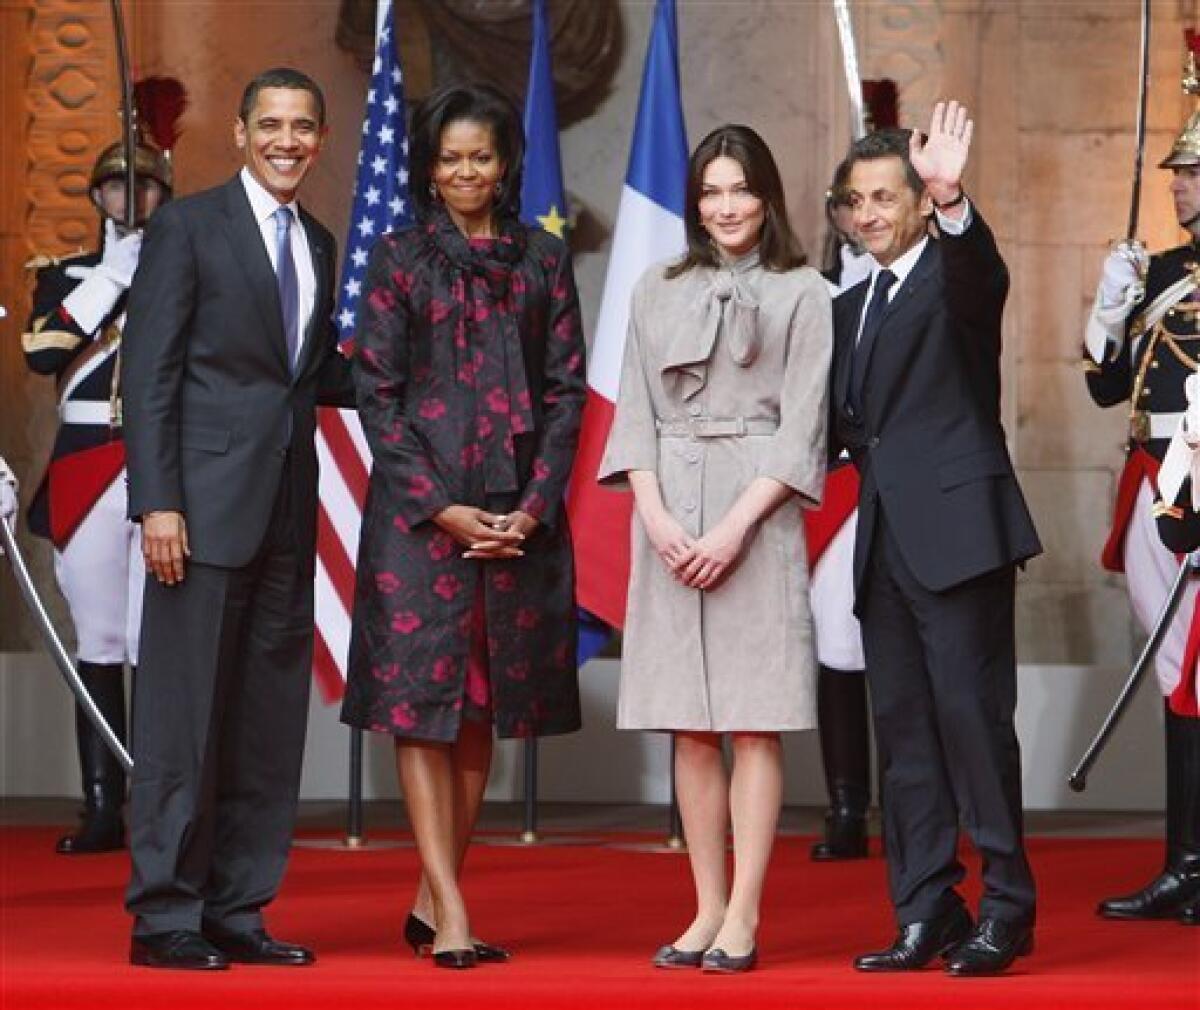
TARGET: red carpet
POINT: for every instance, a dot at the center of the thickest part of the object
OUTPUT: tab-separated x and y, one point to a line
583	922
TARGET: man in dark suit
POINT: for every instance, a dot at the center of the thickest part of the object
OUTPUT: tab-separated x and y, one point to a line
942	526
229	346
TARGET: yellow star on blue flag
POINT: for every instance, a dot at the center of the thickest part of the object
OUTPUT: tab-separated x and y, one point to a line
543	201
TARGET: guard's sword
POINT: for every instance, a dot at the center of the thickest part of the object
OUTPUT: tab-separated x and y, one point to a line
8	543
1139	150
1078	779
845	27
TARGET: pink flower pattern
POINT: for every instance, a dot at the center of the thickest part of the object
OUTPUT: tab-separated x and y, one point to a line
416	596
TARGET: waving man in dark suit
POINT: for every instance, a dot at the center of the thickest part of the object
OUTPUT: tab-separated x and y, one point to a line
942	526
229	346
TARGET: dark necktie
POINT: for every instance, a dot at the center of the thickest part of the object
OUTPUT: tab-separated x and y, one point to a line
289	286
866	341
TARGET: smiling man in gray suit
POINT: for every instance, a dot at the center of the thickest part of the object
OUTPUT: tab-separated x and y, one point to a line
228	348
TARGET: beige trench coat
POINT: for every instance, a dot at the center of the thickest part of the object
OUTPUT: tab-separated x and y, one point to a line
725	378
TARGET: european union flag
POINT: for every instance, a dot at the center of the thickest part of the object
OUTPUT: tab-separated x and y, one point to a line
543	202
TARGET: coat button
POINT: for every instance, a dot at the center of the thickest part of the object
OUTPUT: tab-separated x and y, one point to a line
873	442
689	506
694	409
693	457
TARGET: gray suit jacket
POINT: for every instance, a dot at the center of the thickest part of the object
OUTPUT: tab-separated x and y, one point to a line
211	408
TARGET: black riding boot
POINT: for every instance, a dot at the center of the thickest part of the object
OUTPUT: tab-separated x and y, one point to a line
846	754
103	828
1172	892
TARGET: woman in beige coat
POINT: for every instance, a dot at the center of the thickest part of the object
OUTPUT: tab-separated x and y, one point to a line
720	432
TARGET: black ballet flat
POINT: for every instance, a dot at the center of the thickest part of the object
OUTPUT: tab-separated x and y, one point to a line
716	961
670	956
457	959
419	935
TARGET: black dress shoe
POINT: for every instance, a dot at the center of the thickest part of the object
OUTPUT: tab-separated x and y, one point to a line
456	959
670	956
716	961
258	947
180	948
419	935
992	946
1163	898
918	943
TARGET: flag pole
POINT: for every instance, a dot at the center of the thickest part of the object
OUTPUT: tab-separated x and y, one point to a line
355	839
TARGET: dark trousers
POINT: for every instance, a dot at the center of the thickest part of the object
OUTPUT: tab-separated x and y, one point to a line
218	736
942	672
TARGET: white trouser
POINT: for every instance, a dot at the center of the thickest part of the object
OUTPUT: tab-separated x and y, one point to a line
1150	571
831	596
101	573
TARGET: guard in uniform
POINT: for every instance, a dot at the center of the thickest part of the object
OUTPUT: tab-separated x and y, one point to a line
843	719
74	334
1143	342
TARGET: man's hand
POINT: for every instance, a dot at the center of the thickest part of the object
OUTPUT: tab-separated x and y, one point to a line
941	157
165	545
119	259
714	554
484	534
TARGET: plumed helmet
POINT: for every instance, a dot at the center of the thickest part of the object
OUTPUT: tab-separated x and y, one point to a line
1186	149
148	162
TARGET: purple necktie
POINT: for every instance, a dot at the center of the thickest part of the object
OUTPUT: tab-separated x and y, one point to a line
289	286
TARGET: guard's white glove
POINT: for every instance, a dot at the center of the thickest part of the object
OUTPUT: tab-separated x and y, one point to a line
102	285
1122	279
1121	287
119	259
8	492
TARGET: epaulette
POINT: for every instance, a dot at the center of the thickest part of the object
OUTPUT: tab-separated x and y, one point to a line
43	260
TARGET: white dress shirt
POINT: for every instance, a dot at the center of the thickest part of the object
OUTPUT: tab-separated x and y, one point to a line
264	205
903	266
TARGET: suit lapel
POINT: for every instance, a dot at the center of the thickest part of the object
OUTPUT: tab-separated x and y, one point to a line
849	309
909	299
322	295
246	240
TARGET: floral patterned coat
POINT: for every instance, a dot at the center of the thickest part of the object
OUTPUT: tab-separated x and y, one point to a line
469	370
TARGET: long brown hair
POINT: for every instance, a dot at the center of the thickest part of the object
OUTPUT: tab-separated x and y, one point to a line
778	247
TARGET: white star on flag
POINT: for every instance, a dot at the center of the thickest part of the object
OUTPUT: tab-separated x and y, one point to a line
380	205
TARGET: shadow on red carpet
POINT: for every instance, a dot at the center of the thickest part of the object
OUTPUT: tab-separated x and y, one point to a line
583	921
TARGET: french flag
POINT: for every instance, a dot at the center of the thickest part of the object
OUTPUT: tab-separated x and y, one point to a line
649	229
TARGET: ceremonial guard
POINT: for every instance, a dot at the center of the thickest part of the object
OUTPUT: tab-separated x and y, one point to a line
74	334
843	716
1143	342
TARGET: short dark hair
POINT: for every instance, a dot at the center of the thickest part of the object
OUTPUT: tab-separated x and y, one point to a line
890	143
779	249
473	102
281	77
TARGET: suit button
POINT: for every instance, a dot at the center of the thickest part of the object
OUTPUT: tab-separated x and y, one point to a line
873	441
693	457
689	506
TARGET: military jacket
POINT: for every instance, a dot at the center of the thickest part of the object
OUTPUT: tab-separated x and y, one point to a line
55	344
1149	370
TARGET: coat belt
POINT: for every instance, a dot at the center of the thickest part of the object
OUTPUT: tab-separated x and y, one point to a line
716	427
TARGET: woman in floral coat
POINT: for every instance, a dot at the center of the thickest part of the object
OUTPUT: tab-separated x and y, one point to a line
470	378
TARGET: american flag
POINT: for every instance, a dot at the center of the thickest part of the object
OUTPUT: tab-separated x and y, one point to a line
381	204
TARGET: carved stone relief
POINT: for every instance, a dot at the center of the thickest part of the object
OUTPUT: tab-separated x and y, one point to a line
71	99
